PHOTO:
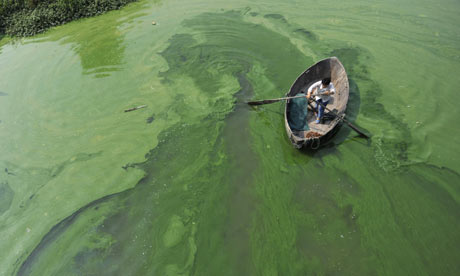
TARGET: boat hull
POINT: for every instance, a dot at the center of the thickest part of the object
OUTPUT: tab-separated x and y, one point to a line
332	68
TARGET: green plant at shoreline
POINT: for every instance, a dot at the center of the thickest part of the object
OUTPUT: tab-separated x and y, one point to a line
30	17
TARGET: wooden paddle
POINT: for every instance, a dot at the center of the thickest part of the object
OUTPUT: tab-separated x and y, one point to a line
343	119
261	102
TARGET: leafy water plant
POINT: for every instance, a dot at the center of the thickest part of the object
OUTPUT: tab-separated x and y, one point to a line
30	17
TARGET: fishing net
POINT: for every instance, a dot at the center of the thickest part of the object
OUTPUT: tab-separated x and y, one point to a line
297	116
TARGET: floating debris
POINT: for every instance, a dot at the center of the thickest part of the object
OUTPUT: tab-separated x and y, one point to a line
150	119
8	172
135	108
154	23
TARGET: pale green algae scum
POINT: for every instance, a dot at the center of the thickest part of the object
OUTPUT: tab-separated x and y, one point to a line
198	183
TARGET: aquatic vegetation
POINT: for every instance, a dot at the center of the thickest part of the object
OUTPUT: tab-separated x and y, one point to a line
27	18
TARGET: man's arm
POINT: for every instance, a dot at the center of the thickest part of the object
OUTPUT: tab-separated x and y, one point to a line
329	91
313	89
313	86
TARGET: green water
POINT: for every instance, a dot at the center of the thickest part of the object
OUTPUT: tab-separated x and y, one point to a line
197	183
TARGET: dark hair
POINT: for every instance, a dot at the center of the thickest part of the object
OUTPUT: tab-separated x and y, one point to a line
326	81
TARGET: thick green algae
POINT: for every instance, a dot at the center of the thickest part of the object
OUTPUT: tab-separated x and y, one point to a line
202	209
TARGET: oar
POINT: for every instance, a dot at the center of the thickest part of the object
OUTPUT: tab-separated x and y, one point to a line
345	120
261	102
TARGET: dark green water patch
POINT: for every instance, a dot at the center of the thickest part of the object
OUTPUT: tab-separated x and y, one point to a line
418	217
306	33
390	152
276	16
231	45
243	163
329	234
6	197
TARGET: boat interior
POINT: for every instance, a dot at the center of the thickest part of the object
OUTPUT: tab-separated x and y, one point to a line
333	69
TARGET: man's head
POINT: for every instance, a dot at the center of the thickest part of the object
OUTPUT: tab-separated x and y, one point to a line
326	81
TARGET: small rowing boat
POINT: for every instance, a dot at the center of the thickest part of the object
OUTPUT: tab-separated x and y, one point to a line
313	135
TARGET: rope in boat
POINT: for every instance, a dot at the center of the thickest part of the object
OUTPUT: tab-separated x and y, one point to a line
317	142
314	137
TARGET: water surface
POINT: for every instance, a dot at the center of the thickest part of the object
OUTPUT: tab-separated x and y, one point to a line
199	183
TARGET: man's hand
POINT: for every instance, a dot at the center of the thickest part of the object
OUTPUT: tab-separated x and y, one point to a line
312	92
327	92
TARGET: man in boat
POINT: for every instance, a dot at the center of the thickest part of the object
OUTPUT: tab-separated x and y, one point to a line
322	90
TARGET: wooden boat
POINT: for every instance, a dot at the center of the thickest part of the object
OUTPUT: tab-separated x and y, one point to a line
319	133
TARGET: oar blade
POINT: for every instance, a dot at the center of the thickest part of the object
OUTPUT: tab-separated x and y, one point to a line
360	132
